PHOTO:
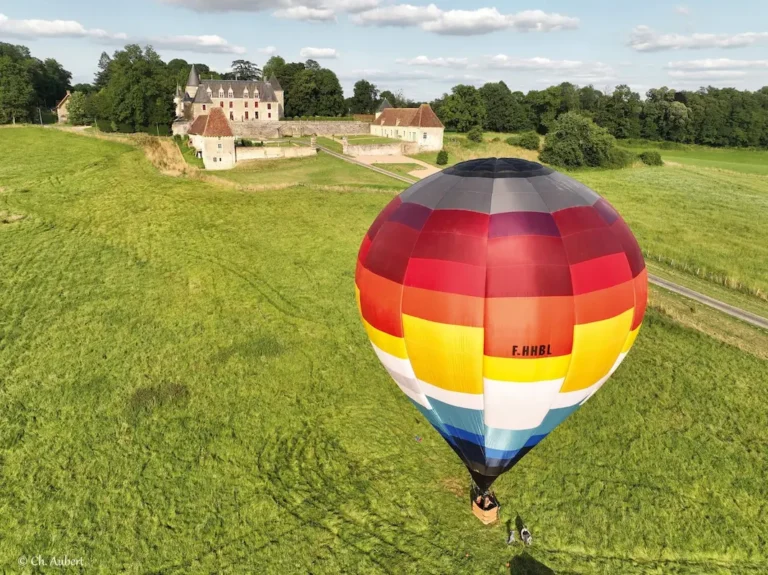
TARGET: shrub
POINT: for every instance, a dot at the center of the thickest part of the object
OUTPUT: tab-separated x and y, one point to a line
475	134
651	158
496	139
529	140
177	138
575	141
442	158
104	126
672	146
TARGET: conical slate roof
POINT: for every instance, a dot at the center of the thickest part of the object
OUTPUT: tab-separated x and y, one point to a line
194	78
275	83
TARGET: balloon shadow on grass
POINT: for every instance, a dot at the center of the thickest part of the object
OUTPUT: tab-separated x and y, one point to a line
524	564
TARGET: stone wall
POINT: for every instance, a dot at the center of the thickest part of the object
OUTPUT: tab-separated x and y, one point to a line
355	150
274	152
268	130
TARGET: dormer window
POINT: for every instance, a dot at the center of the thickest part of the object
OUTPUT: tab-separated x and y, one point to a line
230	94
221	92
256	94
209	91
245	93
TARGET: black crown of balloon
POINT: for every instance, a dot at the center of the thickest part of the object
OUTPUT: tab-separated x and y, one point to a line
498	168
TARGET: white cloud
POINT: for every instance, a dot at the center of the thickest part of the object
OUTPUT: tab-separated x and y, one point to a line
683	10
439	62
305	10
306	14
267	50
645	39
53	29
706	74
202	44
463	22
717	64
504	61
319	53
206	44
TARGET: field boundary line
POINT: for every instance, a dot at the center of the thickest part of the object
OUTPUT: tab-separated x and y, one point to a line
374	168
733	311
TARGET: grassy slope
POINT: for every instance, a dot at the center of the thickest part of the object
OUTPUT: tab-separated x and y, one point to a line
190	157
734	159
316	170
186	387
402	169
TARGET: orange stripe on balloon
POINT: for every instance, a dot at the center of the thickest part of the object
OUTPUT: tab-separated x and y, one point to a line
443	307
605	303
380	302
445	276
512	324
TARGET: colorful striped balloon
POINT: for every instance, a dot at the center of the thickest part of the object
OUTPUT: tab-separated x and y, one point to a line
500	295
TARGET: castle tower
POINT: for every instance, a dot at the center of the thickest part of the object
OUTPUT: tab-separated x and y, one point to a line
279	94
193	82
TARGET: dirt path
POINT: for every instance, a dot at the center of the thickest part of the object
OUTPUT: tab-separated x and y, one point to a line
424	171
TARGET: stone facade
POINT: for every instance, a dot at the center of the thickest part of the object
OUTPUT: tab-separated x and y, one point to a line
419	126
271	130
62	109
241	100
273	153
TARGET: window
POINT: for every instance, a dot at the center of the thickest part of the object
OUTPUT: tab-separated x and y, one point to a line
219	146
221	104
214	158
255	115
270	115
221	92
231	104
256	104
246	113
246	103
424	137
231	115
230	94
269	106
203	107
245	93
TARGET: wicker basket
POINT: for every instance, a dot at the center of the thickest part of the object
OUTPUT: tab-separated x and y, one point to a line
487	517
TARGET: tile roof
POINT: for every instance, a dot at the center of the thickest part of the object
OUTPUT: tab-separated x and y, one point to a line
217	125
212	125
265	89
421	117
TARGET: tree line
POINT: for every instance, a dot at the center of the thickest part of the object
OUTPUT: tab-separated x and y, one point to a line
133	89
708	116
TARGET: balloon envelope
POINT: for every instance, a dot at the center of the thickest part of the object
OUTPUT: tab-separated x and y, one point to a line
499	295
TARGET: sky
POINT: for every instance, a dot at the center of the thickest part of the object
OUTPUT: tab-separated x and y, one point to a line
421	48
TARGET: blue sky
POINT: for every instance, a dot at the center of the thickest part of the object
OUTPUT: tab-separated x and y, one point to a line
422	48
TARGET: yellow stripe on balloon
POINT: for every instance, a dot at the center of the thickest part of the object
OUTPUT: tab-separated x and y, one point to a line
527	370
391	344
631	339
596	346
446	356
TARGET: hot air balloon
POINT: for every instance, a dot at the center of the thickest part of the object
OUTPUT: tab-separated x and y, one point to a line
500	295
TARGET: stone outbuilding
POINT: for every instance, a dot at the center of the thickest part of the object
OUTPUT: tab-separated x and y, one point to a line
62	109
416	125
212	136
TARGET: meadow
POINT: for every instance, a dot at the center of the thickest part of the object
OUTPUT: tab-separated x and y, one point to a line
734	159
186	387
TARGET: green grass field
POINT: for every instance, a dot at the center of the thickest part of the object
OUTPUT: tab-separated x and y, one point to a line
320	170
365	140
186	387
733	159
190	157
402	169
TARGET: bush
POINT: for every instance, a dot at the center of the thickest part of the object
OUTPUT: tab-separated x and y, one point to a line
442	158
124	128
104	126
178	139
575	141
496	139
651	158
529	140
475	134
672	146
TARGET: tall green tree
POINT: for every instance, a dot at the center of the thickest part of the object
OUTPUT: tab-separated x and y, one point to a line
78	115
462	109
499	106
101	79
244	70
365	98
17	93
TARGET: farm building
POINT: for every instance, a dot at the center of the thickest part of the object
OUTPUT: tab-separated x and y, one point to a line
420	125
62	109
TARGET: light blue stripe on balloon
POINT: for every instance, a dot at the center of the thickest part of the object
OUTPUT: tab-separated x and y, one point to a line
469	420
